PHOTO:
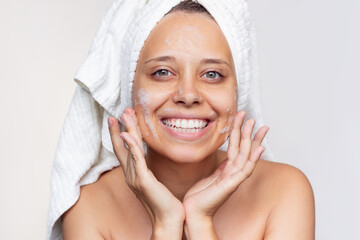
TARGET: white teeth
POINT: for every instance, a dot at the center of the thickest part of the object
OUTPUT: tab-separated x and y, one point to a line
185	125
177	123
190	124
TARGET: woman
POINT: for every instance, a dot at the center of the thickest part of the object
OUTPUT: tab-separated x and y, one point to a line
182	186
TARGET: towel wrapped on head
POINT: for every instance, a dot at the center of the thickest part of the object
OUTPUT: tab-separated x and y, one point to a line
105	80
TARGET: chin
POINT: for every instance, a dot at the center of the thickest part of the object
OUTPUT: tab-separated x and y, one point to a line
184	154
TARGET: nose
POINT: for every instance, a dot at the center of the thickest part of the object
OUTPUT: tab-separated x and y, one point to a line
187	93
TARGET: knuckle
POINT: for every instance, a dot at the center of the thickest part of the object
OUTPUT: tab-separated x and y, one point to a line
248	172
228	184
242	156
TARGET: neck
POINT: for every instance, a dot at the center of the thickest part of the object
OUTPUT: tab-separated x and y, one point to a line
180	177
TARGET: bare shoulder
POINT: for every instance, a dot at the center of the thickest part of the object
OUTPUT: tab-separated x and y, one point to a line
282	182
84	220
281	175
292	209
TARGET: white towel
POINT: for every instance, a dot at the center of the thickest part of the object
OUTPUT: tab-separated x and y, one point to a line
84	150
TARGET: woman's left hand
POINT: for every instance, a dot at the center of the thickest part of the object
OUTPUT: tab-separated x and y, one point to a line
206	196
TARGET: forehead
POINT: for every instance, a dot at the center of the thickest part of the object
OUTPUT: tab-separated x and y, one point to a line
187	34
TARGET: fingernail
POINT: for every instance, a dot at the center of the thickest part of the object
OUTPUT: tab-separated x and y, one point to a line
110	122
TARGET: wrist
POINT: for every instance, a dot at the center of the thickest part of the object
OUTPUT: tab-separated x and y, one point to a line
200	228
167	229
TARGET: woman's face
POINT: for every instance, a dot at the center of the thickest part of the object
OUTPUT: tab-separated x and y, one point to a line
185	91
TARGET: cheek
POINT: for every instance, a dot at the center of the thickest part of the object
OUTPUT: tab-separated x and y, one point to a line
146	102
151	98
143	99
224	101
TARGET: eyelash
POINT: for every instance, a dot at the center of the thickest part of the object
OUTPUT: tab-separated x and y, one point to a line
156	74
219	75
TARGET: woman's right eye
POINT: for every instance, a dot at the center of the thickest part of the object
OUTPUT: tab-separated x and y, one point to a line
162	73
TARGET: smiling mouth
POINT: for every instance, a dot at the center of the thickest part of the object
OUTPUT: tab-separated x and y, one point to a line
186	125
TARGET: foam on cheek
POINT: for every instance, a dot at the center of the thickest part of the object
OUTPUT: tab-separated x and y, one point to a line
180	91
229	123
144	99
227	128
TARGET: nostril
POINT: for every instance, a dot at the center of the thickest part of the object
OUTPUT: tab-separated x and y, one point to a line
186	98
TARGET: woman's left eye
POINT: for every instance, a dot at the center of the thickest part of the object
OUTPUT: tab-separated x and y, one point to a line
212	75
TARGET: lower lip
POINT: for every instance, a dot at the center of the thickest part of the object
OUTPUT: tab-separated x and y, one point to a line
187	135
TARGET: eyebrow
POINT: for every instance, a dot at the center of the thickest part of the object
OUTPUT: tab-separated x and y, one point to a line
203	61
214	61
161	59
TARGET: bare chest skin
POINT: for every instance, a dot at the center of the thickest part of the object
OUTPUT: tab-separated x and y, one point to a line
118	214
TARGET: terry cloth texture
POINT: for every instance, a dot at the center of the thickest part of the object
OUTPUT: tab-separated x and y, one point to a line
105	79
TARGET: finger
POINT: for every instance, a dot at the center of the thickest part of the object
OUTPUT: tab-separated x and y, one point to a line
134	117
131	112
118	144
137	157
259	137
234	140
239	176
251	163
220	168
245	143
131	127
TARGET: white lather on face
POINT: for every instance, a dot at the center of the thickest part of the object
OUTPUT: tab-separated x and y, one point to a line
185	125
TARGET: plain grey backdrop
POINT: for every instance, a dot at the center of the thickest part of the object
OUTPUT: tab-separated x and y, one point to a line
309	70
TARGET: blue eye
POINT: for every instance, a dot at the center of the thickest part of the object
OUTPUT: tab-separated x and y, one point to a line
162	73
212	75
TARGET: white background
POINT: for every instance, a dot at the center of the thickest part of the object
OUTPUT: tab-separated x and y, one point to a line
309	60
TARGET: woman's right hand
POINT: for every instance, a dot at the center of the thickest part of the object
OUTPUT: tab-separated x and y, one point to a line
165	210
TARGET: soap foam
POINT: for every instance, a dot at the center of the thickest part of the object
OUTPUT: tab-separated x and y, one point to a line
144	99
225	129
180	91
